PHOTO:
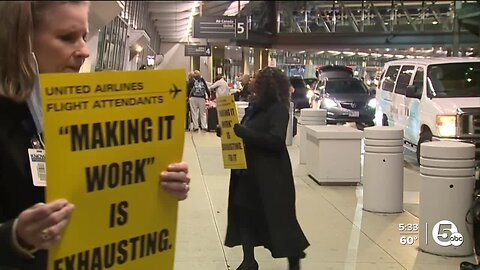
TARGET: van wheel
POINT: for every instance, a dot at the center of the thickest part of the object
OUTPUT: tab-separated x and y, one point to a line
384	121
425	136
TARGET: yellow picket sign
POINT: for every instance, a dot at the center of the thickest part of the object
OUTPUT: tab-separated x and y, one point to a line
232	146
108	136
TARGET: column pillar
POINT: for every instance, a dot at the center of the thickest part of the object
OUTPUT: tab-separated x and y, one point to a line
257	58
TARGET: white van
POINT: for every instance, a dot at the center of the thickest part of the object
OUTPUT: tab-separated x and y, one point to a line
432	99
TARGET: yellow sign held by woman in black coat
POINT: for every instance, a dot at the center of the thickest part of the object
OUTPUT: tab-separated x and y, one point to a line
108	135
232	146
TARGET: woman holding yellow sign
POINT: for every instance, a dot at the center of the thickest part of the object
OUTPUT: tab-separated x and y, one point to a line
261	209
39	37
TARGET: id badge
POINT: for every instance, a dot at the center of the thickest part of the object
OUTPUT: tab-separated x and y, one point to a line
38	167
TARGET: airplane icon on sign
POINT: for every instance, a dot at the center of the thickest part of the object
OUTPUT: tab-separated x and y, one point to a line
174	91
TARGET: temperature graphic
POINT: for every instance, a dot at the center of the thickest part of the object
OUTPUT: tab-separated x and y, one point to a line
408	240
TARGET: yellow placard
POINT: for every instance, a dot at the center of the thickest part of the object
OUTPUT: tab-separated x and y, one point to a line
232	146
108	136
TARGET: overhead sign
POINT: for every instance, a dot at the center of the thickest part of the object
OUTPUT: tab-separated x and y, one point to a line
108	136
220	27
232	146
198	50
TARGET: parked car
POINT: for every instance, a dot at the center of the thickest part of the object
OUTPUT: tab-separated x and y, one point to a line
299	96
333	71
346	100
432	99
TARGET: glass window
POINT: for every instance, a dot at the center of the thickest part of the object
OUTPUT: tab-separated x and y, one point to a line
418	81
390	78
454	80
111	46
404	79
346	86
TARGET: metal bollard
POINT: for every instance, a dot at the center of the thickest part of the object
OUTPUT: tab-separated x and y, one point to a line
446	189
309	117
383	170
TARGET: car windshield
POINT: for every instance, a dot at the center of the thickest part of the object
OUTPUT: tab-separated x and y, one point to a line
345	87
310	82
454	80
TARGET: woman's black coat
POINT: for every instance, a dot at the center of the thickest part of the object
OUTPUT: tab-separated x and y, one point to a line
17	192
270	174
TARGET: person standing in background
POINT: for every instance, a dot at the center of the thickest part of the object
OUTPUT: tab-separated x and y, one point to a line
40	37
198	92
220	86
245	92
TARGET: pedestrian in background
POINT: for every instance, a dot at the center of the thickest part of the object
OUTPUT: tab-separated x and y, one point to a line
198	93
220	86
261	203
245	92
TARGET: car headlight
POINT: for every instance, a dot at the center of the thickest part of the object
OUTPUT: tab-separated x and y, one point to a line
329	103
309	94
446	125
372	103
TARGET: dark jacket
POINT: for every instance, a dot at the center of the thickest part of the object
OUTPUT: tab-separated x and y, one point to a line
268	182
17	192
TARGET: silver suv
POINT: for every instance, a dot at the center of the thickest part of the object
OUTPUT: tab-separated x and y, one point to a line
346	99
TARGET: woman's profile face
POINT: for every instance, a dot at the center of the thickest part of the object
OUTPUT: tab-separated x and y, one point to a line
59	40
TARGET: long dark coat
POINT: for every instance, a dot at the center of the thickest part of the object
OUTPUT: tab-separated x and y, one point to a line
17	192
268	182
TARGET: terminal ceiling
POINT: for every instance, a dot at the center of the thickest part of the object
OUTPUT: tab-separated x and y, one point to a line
172	19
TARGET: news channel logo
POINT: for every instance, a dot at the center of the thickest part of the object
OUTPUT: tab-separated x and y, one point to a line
445	233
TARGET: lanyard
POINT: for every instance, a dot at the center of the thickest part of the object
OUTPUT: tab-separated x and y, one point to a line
37	142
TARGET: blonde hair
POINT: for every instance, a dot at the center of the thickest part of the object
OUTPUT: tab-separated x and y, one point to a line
197	74
18	21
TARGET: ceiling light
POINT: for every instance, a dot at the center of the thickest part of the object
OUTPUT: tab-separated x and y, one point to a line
401	56
435	22
375	54
388	55
320	52
362	54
